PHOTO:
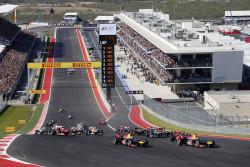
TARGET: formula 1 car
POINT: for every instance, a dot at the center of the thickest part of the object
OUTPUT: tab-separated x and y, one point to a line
80	126
92	130
200	142
130	140
157	132
44	131
61	131
102	122
205	143
175	136
195	141
123	130
60	109
69	116
139	131
75	131
50	123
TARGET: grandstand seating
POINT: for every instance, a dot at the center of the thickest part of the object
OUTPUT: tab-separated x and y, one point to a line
162	63
148	52
15	56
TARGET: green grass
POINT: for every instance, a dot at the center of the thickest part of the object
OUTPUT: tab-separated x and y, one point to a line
158	122
11	115
33	120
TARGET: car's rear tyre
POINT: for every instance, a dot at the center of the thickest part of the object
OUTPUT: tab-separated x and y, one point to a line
179	142
136	145
197	143
172	138
129	142
101	132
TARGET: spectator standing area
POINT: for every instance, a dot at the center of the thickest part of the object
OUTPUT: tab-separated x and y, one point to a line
138	77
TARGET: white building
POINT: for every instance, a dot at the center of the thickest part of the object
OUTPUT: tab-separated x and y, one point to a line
238	17
214	59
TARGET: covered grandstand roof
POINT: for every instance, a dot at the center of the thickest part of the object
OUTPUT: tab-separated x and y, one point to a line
7	8
237	13
137	21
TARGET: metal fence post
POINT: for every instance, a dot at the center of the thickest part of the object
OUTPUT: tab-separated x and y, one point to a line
232	122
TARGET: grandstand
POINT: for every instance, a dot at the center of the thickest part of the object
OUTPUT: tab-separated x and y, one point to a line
15	47
181	57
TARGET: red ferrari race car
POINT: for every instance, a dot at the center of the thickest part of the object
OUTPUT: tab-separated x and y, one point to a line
177	135
61	131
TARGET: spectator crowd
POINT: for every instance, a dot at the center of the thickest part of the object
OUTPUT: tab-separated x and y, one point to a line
15	55
148	53
162	63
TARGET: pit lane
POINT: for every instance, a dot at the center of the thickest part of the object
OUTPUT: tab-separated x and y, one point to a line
74	94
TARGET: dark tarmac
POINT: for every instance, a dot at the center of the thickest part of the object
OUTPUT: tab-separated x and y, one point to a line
74	94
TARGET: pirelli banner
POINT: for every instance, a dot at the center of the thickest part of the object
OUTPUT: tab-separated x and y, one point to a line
95	64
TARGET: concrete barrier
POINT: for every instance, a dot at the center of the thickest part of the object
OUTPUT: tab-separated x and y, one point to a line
3	107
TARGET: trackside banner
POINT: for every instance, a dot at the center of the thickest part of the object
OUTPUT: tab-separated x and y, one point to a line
95	64
33	91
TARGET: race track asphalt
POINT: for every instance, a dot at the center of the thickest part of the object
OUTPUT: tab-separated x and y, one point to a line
74	94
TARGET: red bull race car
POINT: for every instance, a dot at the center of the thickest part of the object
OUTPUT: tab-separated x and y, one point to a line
128	139
195	141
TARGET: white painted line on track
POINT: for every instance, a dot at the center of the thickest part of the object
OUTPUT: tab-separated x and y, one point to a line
111	127
121	98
